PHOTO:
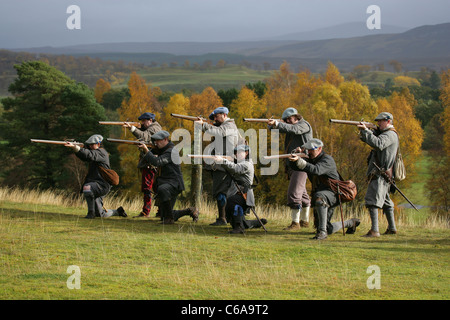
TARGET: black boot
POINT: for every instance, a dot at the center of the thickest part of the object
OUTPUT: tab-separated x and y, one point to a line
222	220
192	212
90	215
90	201
167	213
352	228
237	222
121	212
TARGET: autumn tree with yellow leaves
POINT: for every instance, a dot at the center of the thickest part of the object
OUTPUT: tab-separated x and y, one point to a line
101	87
439	182
142	99
246	105
178	104
320	98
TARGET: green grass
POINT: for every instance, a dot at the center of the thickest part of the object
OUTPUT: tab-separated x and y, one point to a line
175	79
126	258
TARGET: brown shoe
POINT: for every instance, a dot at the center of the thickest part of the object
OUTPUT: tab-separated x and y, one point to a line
390	231
304	224
371	234
293	226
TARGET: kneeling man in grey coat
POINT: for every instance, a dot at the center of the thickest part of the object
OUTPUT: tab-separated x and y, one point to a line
320	167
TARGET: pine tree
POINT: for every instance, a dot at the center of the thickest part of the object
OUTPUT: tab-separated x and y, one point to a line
45	104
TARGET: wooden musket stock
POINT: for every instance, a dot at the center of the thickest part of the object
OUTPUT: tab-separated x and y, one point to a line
190	118
287	155
119	123
57	142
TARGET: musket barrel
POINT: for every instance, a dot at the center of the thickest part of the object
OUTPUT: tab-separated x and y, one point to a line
287	155
258	120
184	117
118	123
133	142
354	123
56	142
207	156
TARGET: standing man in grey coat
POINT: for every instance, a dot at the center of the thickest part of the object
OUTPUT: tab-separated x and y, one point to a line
385	143
225	135
149	127
320	167
298	131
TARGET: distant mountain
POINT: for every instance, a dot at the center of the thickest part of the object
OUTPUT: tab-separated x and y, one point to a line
177	48
345	30
420	42
425	46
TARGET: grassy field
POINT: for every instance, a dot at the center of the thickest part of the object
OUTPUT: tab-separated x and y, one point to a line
175	79
44	233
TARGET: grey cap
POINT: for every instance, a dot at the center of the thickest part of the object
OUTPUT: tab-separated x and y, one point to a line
96	138
384	116
289	112
242	147
160	135
217	111
147	116
313	144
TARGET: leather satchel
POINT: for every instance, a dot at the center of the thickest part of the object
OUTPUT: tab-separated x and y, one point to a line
109	175
347	189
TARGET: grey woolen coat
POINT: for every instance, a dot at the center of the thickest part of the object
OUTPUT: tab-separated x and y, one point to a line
384	151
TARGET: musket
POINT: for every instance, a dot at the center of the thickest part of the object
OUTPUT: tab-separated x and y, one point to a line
190	118
354	123
242	193
119	123
133	142
260	120
287	155
392	183
208	156
57	142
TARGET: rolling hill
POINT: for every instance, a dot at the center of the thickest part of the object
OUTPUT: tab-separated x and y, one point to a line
425	46
421	42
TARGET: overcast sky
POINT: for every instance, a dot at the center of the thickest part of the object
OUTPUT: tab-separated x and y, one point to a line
33	23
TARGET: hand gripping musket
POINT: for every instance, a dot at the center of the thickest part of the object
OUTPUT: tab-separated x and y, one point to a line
119	123
58	142
355	123
133	142
392	183
190	118
232	178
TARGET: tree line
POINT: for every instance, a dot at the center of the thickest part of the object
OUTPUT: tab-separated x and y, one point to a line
57	107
